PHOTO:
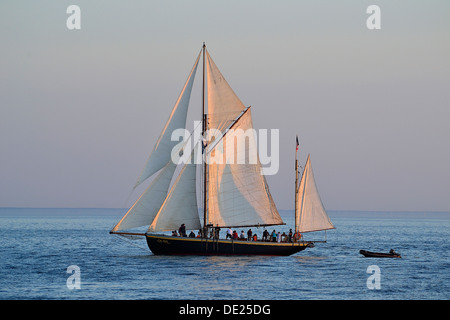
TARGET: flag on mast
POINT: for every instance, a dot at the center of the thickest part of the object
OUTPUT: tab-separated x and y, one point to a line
296	149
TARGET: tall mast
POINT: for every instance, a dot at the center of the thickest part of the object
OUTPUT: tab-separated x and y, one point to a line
296	185
205	166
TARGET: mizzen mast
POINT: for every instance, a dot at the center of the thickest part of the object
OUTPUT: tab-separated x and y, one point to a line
296	185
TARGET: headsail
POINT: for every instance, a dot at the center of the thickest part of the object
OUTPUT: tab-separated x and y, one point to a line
177	119
311	215
238	194
180	205
147	206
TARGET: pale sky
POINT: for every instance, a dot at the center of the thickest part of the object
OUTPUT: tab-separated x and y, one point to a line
80	110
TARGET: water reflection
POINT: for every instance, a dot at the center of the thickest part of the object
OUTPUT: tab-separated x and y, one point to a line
309	260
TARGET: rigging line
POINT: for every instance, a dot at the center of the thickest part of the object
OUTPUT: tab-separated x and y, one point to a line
216	142
130	242
124	208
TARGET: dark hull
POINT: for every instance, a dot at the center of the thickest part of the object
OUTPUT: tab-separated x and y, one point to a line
168	245
369	254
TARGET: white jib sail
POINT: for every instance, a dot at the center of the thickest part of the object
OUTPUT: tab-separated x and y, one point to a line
180	205
162	150
238	194
311	214
147	206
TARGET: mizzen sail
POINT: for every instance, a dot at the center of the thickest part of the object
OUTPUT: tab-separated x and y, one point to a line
311	215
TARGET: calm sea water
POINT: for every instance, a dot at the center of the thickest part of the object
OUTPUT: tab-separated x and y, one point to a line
38	245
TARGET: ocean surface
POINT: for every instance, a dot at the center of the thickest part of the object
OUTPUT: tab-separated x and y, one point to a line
41	248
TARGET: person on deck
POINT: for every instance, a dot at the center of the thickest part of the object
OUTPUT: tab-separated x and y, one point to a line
229	233
393	252
274	236
182	230
242	236
216	232
249	234
265	235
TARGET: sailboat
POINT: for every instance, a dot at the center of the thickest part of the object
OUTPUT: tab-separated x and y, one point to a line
233	192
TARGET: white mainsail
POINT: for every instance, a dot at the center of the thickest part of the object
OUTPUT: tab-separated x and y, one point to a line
177	119
238	194
180	205
311	215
